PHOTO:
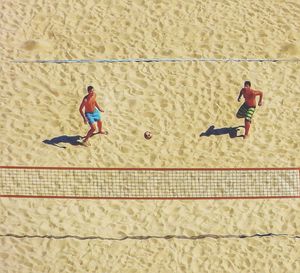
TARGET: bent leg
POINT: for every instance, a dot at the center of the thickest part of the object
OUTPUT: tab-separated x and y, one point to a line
90	132
241	113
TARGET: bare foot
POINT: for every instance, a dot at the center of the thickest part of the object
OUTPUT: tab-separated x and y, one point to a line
103	132
83	142
245	136
80	140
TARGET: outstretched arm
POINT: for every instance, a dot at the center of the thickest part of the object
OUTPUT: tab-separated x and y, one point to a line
100	109
240	95
81	110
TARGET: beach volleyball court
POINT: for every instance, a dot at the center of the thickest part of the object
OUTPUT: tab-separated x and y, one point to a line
195	155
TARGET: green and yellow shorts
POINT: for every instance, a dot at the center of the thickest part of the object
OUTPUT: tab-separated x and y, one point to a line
245	112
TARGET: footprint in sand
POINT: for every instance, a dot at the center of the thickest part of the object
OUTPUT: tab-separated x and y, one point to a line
290	49
31	45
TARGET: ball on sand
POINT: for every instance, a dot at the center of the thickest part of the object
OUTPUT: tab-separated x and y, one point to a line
147	135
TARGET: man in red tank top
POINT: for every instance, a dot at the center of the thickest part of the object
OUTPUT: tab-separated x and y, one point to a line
92	113
247	109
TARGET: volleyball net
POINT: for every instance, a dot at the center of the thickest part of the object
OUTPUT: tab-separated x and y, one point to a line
133	183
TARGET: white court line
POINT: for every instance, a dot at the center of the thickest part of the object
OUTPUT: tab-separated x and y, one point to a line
156	60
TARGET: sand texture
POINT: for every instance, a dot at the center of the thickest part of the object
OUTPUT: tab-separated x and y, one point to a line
177	102
114	220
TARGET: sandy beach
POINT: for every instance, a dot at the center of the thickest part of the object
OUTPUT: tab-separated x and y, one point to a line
174	102
177	102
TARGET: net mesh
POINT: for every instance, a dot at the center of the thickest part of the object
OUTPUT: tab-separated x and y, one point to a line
149	183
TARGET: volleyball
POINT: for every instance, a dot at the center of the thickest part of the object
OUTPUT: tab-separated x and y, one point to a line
147	135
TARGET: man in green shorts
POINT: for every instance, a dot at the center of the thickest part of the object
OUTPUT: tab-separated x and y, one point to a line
246	111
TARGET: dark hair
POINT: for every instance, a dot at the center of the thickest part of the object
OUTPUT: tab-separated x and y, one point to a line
90	88
247	83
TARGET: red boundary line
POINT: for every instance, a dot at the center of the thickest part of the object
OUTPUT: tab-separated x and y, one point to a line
146	198
144	169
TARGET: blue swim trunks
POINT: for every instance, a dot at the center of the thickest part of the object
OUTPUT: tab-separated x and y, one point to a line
93	117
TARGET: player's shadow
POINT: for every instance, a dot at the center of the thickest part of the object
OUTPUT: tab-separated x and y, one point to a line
231	131
56	141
